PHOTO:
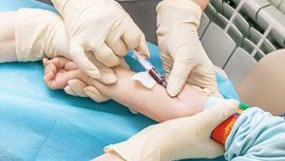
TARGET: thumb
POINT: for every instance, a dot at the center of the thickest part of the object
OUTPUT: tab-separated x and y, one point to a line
205	77
80	58
217	114
95	94
182	67
134	37
143	47
75	88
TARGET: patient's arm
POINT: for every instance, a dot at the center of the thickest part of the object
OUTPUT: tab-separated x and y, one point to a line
7	37
154	103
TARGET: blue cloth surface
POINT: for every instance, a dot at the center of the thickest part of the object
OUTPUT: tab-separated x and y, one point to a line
257	135
38	124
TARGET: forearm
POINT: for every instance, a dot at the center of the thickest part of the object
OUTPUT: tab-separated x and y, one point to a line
154	103
7	37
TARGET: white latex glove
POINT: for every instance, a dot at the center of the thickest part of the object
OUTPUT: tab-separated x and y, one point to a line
103	28
181	138
78	88
81	89
39	33
182	54
44	35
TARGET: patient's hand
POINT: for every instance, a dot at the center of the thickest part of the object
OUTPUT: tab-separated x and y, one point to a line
59	71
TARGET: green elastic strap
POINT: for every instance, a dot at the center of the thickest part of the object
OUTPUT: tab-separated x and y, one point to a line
243	106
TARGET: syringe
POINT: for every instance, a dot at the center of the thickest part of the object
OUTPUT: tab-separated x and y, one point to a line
150	68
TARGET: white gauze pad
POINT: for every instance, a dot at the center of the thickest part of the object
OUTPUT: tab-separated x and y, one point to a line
145	79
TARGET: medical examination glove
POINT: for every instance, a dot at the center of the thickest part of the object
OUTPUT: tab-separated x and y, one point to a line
38	34
78	88
103	28
181	138
44	35
182	54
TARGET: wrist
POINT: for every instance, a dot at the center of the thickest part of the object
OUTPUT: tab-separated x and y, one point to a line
223	130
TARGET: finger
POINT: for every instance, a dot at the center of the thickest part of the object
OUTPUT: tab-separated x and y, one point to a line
209	81
182	67
69	91
80	58
204	77
212	117
59	62
69	75
167	63
117	45
46	66
143	48
95	94
77	87
50	72
105	55
48	79
135	39
61	79
107	75
70	66
45	61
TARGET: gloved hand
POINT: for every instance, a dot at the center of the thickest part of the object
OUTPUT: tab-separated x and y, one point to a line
181	138
44	35
78	88
39	33
183	57
99	30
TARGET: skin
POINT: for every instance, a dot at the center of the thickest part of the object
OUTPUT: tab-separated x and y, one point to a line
158	105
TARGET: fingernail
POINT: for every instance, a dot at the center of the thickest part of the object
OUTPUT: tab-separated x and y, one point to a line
174	87
147	54
68	90
109	78
93	74
75	87
91	94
